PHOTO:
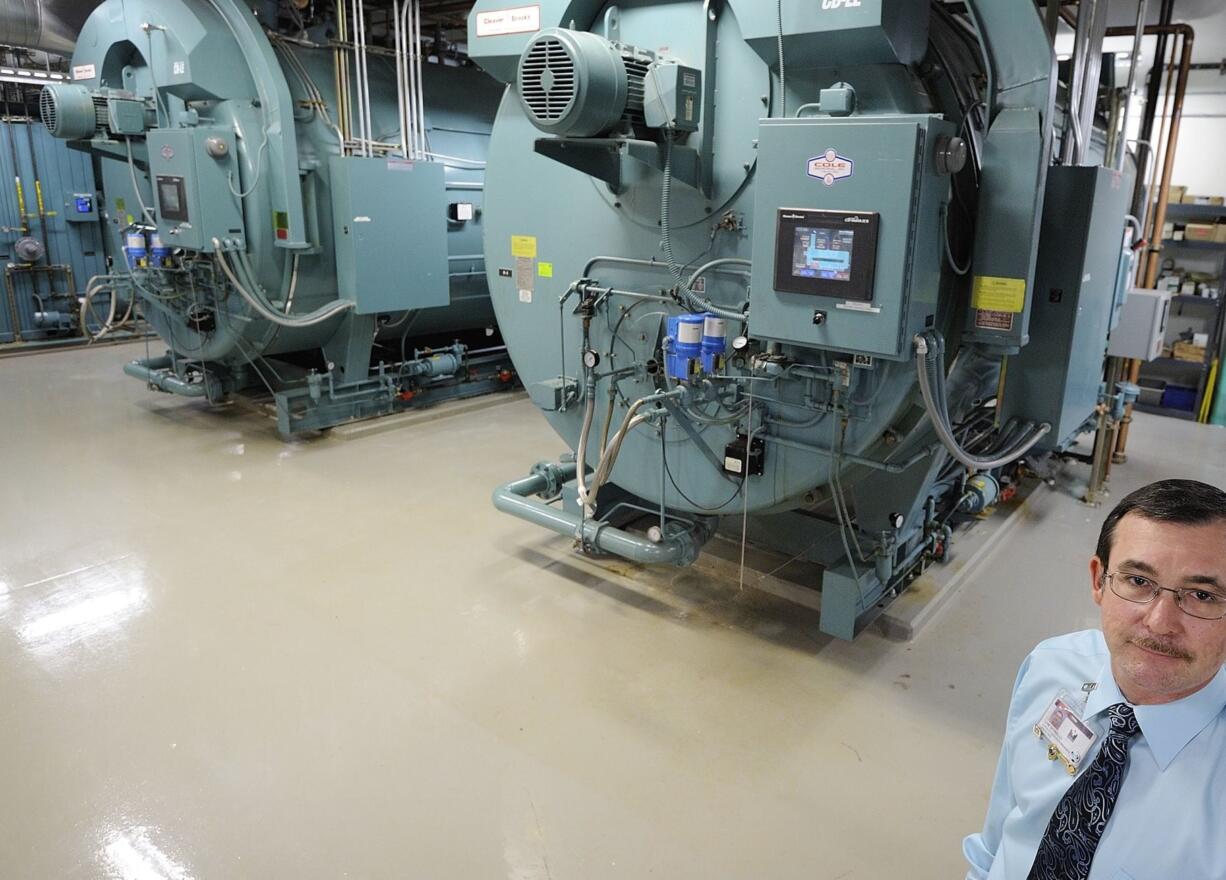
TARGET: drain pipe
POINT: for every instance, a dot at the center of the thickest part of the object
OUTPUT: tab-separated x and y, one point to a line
159	373
678	548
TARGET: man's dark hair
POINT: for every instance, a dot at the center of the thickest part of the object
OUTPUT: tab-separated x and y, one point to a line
1186	502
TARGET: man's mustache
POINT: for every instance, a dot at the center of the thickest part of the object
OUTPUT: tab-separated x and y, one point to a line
1161	648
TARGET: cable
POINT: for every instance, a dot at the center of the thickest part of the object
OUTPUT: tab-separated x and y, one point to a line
268	313
689	298
949	255
145	212
783	89
926	363
681	492
259	169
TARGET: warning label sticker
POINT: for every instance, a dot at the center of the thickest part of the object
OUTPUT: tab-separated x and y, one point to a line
523	246
525	278
999	294
987	319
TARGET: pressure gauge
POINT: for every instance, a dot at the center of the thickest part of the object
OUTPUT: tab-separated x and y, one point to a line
591	359
740	343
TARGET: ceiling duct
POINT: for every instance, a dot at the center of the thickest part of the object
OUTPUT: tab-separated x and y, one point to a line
48	25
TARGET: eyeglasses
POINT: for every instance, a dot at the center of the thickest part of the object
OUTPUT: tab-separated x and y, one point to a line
1194	601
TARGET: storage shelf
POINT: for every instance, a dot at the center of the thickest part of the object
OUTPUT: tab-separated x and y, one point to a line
1165	411
1199	365
1194	245
1191	212
1187	297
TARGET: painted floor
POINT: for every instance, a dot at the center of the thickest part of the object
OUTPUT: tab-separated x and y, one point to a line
222	656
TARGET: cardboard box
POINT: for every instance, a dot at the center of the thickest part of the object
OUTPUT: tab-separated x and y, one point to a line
1175	194
1190	199
1199	232
1186	351
1219	233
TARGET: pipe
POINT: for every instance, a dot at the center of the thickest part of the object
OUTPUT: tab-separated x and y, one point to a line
1135	61
14	312
889	467
159	373
512	498
1181	88
47	25
1149	109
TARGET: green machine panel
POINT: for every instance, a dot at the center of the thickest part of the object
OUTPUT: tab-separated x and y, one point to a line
1056	377
390	224
847	248
194	176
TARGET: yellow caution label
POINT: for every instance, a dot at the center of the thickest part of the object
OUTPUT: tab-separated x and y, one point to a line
545	270
523	246
999	294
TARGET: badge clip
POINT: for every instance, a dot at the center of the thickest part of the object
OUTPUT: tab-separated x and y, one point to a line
1067	736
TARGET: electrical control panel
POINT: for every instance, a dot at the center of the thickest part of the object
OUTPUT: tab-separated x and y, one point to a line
195	192
389	220
848	241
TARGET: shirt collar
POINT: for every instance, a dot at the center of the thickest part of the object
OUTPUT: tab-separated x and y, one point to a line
1167	727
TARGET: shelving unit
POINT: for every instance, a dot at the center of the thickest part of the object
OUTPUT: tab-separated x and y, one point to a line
1209	315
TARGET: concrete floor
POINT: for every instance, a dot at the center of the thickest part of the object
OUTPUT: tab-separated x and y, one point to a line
222	656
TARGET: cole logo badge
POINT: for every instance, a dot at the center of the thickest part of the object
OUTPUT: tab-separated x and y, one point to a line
830	166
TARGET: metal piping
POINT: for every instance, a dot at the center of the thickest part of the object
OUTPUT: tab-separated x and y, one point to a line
513	498
1118	160
47	25
1188	35
159	373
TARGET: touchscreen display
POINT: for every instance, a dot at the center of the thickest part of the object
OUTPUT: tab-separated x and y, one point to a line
170	197
822	253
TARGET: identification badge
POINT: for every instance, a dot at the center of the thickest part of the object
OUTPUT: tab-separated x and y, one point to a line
1067	736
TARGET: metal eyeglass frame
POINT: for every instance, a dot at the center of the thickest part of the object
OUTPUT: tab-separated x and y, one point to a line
1179	594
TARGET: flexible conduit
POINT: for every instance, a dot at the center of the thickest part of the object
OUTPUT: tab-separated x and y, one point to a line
691	299
931	375
266	311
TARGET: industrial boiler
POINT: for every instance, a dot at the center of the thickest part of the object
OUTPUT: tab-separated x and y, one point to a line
797	272
295	207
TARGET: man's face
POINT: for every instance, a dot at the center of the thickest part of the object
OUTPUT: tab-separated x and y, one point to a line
1159	653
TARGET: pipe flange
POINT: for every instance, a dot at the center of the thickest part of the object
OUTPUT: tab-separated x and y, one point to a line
553	476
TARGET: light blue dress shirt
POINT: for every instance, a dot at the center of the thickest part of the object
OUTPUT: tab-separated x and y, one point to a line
1169	821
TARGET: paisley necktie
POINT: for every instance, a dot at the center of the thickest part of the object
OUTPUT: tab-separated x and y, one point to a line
1072	835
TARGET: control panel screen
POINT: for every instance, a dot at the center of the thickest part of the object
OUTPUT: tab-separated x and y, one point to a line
823	253
826	253
172	198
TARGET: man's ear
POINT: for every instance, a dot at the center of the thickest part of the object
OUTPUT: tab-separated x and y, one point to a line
1098	582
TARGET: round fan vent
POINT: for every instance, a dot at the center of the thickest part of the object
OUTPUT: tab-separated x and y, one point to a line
572	83
547	80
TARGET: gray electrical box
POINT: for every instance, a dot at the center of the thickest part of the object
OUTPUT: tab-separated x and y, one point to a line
846	238
1142	328
672	97
389	219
